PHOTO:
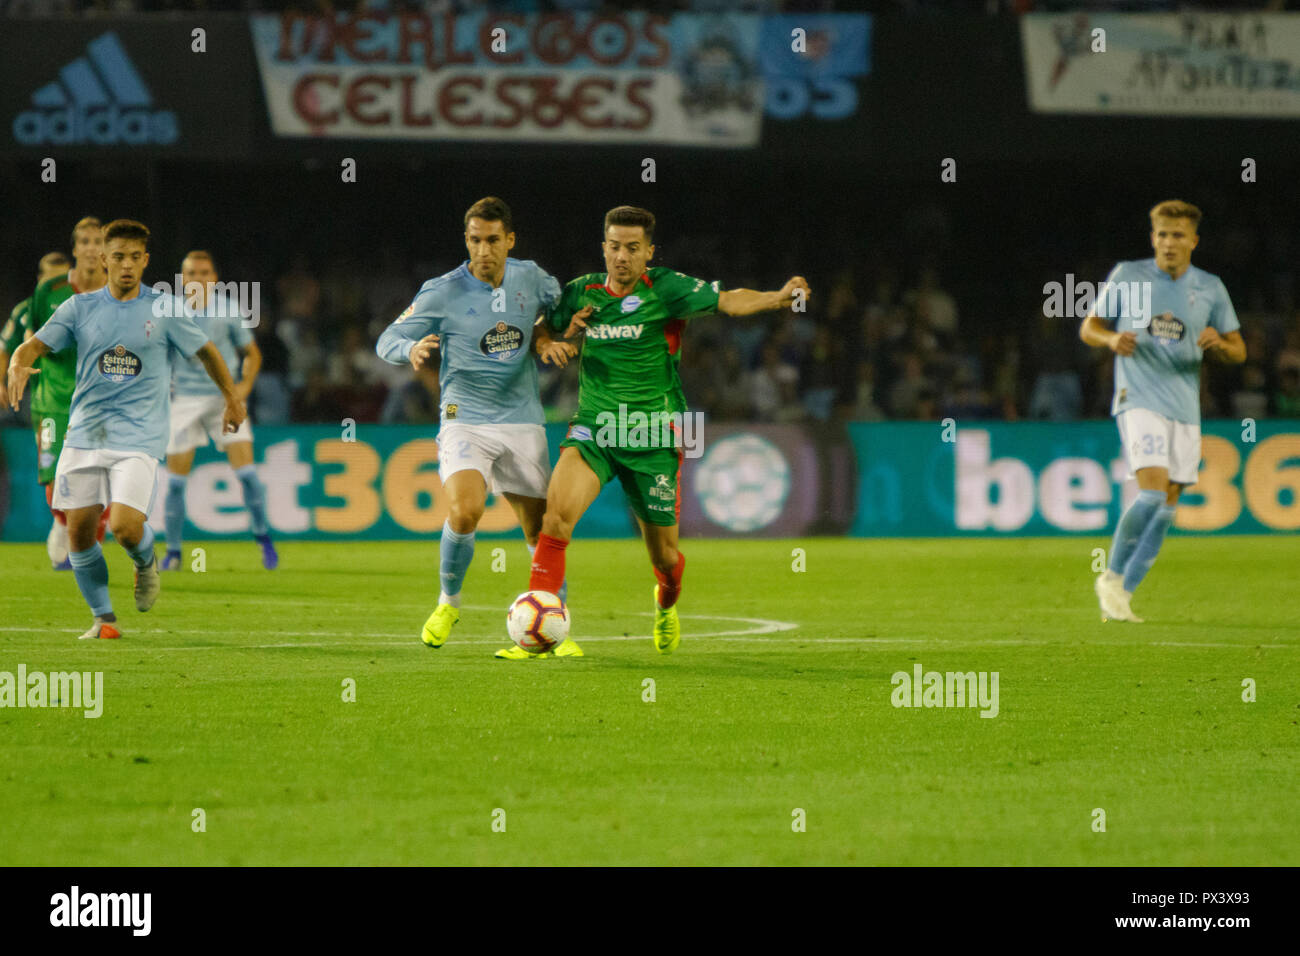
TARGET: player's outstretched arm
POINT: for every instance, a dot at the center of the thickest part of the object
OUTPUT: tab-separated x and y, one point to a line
21	368
738	302
211	358
1095	332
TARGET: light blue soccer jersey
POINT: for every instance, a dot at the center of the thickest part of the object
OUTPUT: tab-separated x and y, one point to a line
221	321
1163	374
122	399
487	374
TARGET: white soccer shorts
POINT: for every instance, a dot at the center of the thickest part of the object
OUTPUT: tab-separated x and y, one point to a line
1152	441
511	458
196	417
98	476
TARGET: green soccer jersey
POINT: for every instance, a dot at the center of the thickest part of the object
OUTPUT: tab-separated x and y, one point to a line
11	336
633	341
52	389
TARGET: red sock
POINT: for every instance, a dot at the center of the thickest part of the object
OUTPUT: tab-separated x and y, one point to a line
548	565
103	525
59	516
670	585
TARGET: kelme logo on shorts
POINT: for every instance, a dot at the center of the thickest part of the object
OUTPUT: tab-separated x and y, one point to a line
118	364
631	304
502	342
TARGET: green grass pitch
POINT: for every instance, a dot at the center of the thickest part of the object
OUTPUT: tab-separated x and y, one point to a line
228	696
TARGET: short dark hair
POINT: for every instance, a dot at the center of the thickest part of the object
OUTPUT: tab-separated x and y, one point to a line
491	209
127	229
53	260
201	254
85	221
632	216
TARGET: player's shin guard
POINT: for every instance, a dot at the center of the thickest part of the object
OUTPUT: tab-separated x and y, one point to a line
49	500
175	512
670	585
91	571
456	551
548	565
1148	546
1132	523
254	498
142	553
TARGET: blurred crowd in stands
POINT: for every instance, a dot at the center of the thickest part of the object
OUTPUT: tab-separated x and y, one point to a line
876	344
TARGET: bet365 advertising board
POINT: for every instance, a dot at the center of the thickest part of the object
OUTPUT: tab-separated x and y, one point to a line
893	479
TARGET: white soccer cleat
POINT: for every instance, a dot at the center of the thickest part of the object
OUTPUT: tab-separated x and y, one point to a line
1122	599
101	630
1111	610
147	585
56	543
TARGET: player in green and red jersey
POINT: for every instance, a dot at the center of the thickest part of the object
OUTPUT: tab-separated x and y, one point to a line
52	389
633	318
15	331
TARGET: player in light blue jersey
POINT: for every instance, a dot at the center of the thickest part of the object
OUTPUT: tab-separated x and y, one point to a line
481	318
118	426
197	407
1167	315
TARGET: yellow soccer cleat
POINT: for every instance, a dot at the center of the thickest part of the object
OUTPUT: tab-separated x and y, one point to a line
668	630
438	626
516	653
568	648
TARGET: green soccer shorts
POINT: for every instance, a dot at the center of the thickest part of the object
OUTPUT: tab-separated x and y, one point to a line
651	477
50	430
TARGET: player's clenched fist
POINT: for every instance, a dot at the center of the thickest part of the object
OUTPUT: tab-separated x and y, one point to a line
1124	343
1209	339
790	289
422	351
234	415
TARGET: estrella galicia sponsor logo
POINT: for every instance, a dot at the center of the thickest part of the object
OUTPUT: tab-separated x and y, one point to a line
502	342
631	304
98	99
119	363
615	331
1168	328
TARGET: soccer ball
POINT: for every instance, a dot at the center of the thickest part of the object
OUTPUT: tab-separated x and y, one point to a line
537	621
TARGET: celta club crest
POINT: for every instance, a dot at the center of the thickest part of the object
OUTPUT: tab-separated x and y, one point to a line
148	327
519	297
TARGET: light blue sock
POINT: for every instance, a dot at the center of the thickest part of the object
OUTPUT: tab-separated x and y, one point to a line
457	551
1148	546
254	498
142	553
174	522
564	585
91	571
1131	525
